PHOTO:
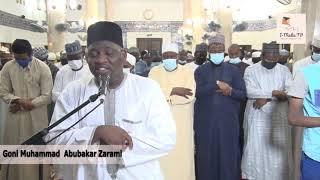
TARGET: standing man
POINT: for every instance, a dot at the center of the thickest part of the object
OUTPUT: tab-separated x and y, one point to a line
177	83
256	57
298	131
234	54
219	91
200	56
62	60
182	57
141	67
26	85
135	113
304	111
76	69
129	64
247	57
314	58
267	151
42	54
284	59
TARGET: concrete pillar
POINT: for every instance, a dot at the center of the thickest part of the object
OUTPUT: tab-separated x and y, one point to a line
312	10
224	16
193	20
108	7
56	14
92	12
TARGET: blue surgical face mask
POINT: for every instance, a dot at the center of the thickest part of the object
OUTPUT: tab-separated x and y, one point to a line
216	58
316	57
23	62
170	64
235	60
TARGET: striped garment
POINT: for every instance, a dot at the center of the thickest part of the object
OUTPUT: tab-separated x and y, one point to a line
267	149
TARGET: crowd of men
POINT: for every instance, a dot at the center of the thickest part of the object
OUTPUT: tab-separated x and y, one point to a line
224	113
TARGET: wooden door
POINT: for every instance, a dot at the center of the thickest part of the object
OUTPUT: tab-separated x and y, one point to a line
150	44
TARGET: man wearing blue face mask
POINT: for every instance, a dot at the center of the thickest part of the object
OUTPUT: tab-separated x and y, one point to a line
177	83
234	55
219	91
76	69
26	85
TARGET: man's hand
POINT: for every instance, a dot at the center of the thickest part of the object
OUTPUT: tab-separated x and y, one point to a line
26	104
181	91
280	95
112	135
259	103
14	107
224	88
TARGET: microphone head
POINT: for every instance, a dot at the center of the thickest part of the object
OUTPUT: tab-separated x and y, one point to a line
104	82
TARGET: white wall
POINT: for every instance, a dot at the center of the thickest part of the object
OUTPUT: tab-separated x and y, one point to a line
254	38
29	9
8	35
71	37
132	37
132	10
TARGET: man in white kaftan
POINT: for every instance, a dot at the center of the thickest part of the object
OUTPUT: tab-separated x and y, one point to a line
75	69
135	104
267	149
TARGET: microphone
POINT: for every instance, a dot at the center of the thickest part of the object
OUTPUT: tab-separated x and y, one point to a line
104	82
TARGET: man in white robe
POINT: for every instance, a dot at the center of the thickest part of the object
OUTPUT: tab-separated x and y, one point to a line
129	64
247	58
256	57
75	69
267	149
135	113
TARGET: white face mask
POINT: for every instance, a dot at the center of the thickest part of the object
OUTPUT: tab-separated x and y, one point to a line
126	70
75	64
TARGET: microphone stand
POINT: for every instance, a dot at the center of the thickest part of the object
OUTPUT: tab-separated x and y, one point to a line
37	139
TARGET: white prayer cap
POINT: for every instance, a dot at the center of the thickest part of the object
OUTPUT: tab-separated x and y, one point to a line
51	56
4	49
284	52
316	41
131	59
256	54
172	47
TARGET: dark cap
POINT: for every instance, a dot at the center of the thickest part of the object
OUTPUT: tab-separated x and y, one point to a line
73	48
105	30
270	47
20	46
